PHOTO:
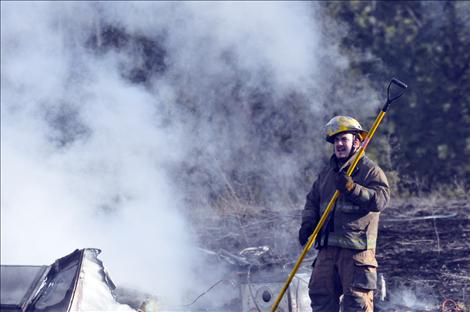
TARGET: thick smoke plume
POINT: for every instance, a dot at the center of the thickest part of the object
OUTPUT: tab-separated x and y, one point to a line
120	119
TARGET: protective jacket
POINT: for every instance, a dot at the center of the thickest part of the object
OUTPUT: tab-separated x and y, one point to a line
353	223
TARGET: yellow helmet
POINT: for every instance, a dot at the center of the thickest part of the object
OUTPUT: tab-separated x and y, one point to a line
340	124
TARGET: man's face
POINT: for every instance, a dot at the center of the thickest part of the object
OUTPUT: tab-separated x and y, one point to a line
343	144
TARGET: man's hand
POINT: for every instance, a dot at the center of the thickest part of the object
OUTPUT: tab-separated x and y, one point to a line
305	231
344	183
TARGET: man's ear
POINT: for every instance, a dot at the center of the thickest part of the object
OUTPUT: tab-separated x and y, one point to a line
357	142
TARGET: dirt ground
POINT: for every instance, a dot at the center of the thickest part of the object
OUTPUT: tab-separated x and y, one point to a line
423	249
424	253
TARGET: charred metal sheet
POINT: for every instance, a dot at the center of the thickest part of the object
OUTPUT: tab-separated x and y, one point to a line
18	284
59	285
76	282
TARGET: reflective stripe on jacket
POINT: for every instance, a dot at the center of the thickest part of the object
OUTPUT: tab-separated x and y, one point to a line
354	220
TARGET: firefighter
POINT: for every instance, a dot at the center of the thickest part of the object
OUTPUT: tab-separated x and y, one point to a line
346	263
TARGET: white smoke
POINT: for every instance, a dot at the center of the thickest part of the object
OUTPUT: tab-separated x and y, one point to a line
105	185
85	149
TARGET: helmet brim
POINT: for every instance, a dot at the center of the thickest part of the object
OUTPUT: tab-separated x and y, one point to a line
362	135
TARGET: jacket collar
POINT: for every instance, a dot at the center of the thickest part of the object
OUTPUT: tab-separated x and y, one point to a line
335	164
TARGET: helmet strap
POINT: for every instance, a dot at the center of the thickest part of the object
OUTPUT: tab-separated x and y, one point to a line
353	149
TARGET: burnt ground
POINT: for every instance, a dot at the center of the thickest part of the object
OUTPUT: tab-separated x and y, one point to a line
424	252
423	249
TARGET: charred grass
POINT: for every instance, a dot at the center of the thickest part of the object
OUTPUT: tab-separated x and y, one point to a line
424	248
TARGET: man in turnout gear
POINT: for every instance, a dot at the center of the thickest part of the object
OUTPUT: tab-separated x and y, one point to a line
346	263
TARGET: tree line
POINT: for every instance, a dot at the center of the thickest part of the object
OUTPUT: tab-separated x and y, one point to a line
427	45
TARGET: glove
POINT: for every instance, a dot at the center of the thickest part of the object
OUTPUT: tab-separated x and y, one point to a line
344	183
304	233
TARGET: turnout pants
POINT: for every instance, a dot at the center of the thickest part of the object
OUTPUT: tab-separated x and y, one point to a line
348	272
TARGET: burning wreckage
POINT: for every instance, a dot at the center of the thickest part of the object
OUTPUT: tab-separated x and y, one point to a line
76	282
80	282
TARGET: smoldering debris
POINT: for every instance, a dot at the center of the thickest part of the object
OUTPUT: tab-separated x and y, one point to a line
414	274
